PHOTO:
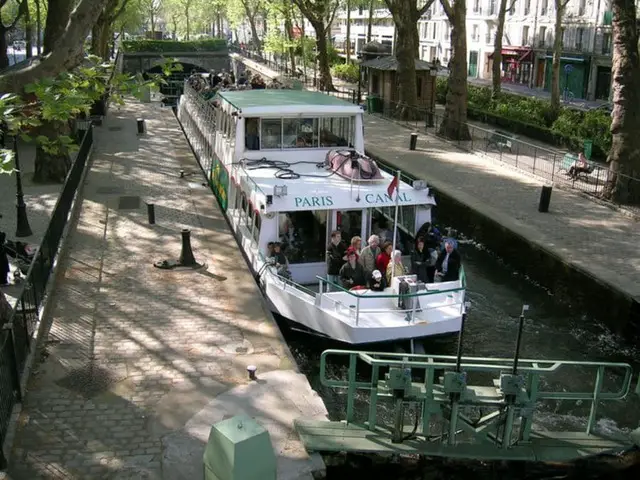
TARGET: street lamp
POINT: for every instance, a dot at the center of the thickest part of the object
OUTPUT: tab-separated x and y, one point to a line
22	225
433	72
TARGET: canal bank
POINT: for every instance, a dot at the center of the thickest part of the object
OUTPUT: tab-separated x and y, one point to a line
583	252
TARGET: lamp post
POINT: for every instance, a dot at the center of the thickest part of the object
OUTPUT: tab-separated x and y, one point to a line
433	72
22	225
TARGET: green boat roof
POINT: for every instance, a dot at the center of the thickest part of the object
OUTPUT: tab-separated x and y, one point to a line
280	98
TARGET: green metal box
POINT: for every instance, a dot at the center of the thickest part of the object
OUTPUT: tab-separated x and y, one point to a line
239	448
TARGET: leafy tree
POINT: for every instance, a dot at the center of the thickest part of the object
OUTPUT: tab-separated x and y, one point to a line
103	30
252	9
454	122
496	68
624	156
151	9
405	15
320	14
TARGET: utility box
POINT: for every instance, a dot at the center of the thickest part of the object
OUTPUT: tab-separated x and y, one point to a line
239	448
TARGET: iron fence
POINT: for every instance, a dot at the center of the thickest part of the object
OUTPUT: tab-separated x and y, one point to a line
17	333
546	163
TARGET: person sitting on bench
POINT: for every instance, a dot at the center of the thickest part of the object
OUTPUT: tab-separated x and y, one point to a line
580	166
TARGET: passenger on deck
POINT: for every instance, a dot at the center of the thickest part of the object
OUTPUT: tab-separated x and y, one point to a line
369	254
252	140
335	254
399	269
384	257
420	261
448	264
356	244
351	273
377	282
282	264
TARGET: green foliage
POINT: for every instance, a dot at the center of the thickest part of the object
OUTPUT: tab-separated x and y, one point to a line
349	72
532	117
171	46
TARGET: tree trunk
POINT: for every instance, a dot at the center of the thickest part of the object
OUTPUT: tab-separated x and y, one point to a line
4	56
496	68
52	167
188	23
325	82
57	19
38	28
288	25
404	13
454	122
624	156
348	42
557	53
28	29
152	20
370	22
254	31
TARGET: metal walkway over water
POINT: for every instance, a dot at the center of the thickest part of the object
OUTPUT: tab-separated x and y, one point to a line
463	407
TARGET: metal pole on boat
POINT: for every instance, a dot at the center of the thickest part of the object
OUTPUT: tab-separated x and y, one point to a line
395	226
519	340
460	336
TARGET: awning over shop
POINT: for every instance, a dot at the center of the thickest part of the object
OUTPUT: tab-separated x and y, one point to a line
568	59
523	54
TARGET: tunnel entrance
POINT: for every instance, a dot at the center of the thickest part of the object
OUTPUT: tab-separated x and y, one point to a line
172	90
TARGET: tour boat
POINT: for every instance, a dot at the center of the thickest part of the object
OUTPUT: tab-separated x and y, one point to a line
288	166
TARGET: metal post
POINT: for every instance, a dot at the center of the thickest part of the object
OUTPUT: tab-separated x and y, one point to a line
357	309
518	340
186	255
460	337
23	229
151	213
140	122
359	81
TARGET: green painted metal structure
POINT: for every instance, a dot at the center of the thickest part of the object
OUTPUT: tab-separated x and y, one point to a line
492	418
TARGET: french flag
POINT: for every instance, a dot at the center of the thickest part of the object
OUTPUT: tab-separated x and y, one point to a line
393	186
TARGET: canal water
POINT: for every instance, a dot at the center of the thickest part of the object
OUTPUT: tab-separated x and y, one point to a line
554	329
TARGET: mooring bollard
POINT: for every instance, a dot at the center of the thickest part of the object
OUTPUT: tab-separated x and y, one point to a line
151	213
140	126
181	173
186	255
413	141
252	372
545	199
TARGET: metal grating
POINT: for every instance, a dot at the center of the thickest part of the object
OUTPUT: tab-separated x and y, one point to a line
128	203
88	380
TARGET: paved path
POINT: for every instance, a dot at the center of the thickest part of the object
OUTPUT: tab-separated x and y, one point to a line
581	231
138	362
40	200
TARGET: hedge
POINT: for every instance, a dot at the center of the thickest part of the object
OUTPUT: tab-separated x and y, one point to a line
532	117
171	46
349	72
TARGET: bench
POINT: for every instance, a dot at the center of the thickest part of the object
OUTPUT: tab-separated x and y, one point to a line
595	172
501	140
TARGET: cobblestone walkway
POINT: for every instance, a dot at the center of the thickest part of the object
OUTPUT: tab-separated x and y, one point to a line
133	353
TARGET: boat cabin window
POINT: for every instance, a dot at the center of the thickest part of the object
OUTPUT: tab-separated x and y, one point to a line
303	235
257	224
382	225
252	135
311	132
245	206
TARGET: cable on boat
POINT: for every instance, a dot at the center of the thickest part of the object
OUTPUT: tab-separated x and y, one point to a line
286	172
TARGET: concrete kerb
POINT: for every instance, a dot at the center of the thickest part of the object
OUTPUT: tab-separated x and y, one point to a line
46	305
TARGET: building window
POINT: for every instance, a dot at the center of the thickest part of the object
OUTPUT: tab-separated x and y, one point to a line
525	35
606	43
543	7
474	33
447	30
419	84
579	38
527	7
492	7
563	36
476	6
582	8
542	40
512	10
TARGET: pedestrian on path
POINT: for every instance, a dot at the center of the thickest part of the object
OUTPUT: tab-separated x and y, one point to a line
4	261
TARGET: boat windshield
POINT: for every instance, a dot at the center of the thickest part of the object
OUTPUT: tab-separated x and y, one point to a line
308	132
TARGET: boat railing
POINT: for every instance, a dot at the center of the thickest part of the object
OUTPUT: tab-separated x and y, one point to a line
453	297
251	181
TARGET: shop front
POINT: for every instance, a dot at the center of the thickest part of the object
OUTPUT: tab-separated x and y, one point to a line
517	64
574	74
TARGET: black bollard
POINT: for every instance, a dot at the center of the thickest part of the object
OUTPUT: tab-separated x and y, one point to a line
545	199
181	173
186	255
413	141
151	213
140	126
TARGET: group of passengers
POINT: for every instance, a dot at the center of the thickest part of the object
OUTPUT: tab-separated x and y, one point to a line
224	80
374	266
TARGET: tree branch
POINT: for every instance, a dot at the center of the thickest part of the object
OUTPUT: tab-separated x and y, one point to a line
65	54
448	9
331	17
422	10
22	9
124	5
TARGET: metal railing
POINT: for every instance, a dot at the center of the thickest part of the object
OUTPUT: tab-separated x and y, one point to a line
543	162
431	380
17	334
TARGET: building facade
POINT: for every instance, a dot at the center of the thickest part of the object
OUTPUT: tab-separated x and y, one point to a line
382	29
527	41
